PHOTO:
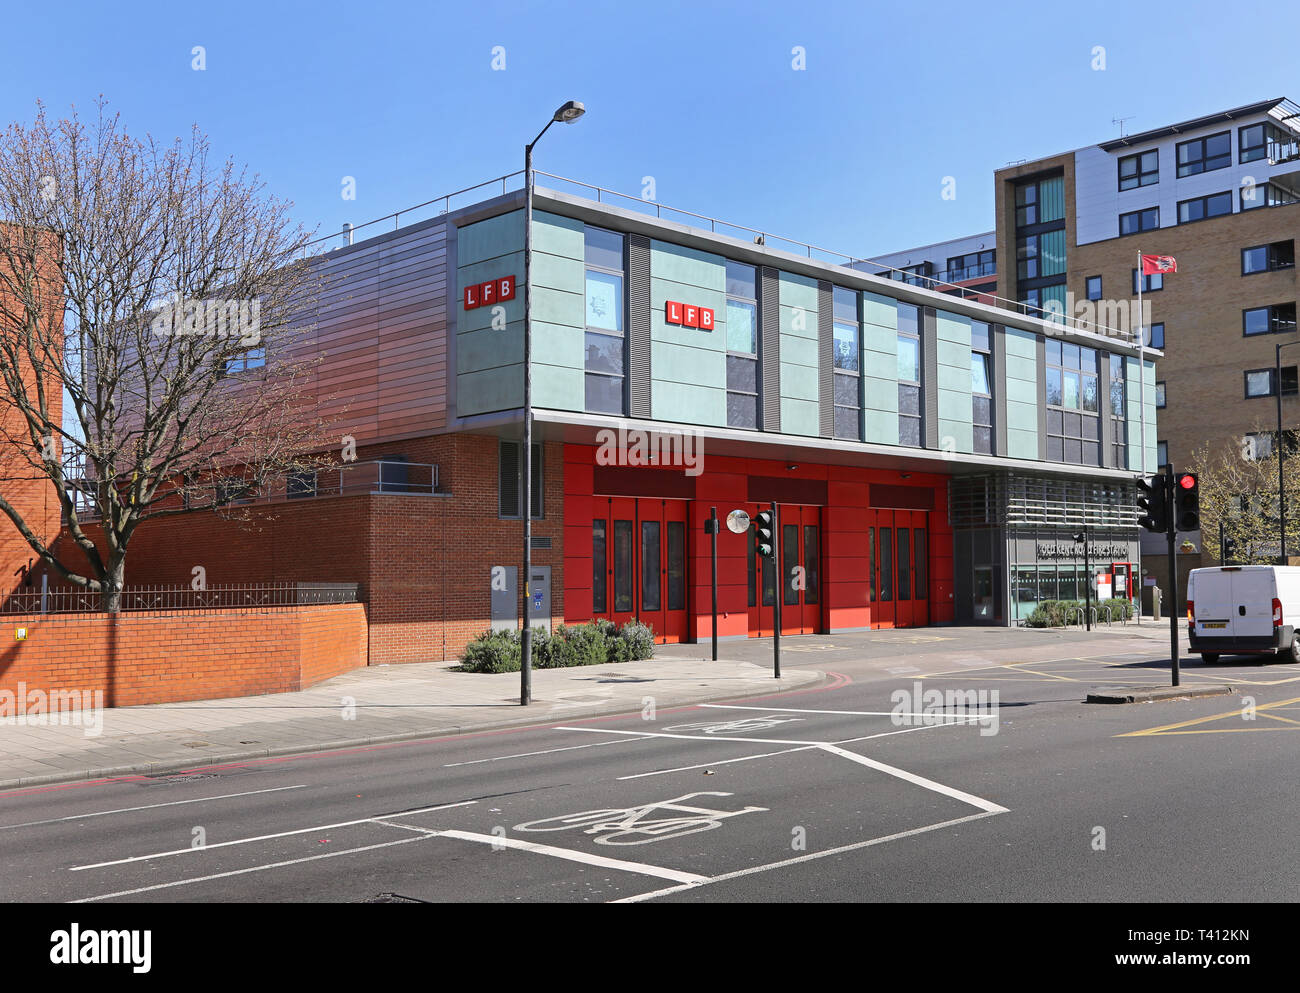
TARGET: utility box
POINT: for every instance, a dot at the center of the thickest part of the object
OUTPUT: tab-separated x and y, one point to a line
539	598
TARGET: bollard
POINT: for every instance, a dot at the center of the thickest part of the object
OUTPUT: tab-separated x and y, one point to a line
1155	603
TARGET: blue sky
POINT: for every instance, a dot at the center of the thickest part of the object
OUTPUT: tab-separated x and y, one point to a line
849	153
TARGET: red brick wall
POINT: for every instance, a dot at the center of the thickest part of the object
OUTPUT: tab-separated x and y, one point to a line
162	658
423	561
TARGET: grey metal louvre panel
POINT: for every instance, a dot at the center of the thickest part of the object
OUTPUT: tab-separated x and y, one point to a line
638	299
999	373
1042	398
930	374
825	359
769	347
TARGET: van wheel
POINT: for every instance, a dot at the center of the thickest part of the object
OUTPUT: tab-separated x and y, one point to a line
1295	648
1209	658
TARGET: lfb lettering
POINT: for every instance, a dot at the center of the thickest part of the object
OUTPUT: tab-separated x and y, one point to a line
486	294
688	315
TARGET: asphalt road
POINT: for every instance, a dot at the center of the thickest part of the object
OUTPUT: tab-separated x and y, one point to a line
849	792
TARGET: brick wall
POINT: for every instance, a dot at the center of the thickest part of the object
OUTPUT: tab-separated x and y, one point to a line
142	658
423	561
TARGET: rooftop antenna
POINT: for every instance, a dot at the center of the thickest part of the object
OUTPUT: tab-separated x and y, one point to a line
1119	122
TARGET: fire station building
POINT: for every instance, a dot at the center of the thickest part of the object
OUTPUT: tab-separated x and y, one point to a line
931	457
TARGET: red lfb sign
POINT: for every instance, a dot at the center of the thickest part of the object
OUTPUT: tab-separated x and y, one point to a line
486	294
688	315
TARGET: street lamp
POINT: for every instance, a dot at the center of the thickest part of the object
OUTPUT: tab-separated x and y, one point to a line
1281	449
1082	538
567	114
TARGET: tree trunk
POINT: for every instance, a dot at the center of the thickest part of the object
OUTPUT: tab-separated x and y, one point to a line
110	595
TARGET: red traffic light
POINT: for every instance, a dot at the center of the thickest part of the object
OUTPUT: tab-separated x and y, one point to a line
1187	481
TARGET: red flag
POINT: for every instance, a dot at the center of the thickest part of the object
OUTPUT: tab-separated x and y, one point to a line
1153	264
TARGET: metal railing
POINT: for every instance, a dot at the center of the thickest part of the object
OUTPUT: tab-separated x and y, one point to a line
758	236
174	599
347	479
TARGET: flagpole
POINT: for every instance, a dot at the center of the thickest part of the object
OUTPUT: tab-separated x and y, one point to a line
1142	367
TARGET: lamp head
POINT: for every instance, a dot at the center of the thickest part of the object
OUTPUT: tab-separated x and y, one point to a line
570	112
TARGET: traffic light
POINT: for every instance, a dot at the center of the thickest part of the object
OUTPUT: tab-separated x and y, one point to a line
763	533
1187	502
1154	503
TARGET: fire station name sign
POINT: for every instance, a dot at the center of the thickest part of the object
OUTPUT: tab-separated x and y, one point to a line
493	291
688	315
1119	553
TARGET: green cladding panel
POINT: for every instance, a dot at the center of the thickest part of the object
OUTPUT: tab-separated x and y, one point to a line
489	340
798	318
953	341
688	366
559	279
880	368
1023	389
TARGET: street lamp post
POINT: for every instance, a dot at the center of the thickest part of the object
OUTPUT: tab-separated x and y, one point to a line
567	114
1281	449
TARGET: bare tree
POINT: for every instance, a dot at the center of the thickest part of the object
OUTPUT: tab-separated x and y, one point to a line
163	296
1239	491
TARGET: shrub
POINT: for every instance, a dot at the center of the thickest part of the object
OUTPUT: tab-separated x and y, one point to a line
639	640
492	651
588	644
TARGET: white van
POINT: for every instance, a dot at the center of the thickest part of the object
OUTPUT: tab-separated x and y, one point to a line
1244	609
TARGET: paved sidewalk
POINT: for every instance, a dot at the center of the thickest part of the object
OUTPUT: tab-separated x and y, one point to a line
380	703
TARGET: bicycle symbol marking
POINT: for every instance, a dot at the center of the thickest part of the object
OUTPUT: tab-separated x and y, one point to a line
634	826
738	726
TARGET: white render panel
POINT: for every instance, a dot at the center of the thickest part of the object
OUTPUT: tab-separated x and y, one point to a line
1098	201
938	254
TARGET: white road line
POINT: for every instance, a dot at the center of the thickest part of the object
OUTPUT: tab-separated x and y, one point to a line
570	855
642	897
241	872
524	755
899	670
910	777
840	713
149	806
710	765
267	837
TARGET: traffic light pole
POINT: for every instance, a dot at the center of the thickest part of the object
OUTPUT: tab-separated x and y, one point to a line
712	527
1172	533
778	593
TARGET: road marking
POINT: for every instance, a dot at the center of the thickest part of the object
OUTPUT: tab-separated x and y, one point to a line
611	826
267	837
838	713
242	872
899	670
570	855
524	755
929	784
149	806
641	897
1177	728
710	765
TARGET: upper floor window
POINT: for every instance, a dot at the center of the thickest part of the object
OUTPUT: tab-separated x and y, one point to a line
1157	336
1266	141
921	274
1201	208
1160	395
1276	319
1149	283
1094	287
1268	258
1263	382
1205	154
742	345
981	386
1162	454
1142	169
605	321
847	362
1118	412
909	375
1266	195
1073	389
254	358
1137	221
973	265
